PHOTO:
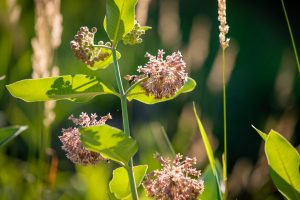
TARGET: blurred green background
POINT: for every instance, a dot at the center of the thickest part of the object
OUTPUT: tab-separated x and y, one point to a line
263	90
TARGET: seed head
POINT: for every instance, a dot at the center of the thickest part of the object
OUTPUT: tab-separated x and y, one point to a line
223	27
166	77
177	180
76	152
84	49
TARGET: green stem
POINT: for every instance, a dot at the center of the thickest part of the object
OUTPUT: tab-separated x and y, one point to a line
225	123
125	121
168	142
291	35
133	85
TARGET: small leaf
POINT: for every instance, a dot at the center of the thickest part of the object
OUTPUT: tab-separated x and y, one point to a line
75	88
120	186
119	19
110	142
262	134
102	64
9	133
138	93
284	165
206	142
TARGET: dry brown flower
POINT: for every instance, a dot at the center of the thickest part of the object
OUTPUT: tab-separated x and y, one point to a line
166	77
177	180
76	152
223	27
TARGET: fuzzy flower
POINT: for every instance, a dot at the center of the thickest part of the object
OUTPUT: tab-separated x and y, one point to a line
134	36
76	152
84	49
223	28
177	180
166	77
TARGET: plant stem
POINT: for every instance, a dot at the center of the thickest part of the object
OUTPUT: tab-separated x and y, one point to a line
225	124
291	35
125	121
168	142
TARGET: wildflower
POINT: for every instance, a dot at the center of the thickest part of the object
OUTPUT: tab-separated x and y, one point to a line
224	28
134	36
177	180
76	152
84	49
166	77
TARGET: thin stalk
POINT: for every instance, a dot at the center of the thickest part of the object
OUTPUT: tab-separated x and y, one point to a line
291	35
133	188
168	141
225	124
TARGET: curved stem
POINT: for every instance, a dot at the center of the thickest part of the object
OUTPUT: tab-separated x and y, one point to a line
291	35
125	121
133	85
225	123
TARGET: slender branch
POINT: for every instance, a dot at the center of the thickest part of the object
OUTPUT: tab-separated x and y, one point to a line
225	123
133	85
102	46
291	34
125	122
168	141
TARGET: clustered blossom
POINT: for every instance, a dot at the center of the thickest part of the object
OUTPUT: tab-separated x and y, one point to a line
134	36
76	152
177	180
84	49
224	28
165	77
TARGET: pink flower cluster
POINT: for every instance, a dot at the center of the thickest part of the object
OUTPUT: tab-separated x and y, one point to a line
166	77
76	152
177	180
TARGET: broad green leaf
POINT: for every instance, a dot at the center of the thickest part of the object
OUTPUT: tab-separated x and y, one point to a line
74	88
262	134
120	186
119	19
110	142
211	186
9	133
206	142
284	165
138	93
102	64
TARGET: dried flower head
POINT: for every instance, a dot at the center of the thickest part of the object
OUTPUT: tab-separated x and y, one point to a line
76	152
166	77
84	49
134	36
177	180
224	28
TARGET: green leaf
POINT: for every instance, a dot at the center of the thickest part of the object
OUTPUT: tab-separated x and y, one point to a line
212	188
138	93
75	88
102	64
206	142
119	19
120	186
262	134
284	165
9	133
110	142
